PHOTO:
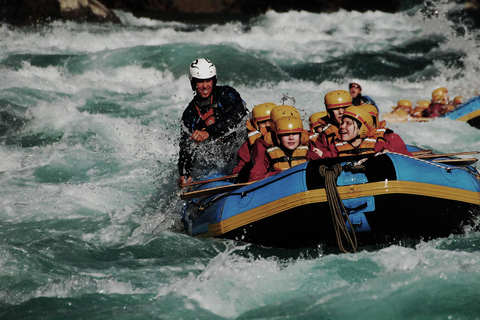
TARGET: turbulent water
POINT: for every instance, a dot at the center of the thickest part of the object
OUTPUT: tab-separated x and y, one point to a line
89	129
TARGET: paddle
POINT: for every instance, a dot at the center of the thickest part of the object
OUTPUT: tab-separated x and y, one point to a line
425	156
421	152
420	119
457	162
212	191
210	180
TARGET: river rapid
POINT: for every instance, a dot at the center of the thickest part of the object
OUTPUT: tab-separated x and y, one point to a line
89	130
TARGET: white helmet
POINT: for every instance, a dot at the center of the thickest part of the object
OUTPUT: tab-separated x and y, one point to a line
202	69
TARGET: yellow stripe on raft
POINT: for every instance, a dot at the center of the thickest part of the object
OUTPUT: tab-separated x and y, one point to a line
346	192
470	116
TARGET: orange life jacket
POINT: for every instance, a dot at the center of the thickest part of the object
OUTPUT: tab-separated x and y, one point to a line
331	132
279	161
253	134
381	130
312	138
346	149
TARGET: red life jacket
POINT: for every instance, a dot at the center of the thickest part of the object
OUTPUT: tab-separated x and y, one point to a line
208	117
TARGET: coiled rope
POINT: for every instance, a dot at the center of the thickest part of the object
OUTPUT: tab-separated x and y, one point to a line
331	173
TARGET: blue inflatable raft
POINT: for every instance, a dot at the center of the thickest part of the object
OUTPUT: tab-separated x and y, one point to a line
388	197
468	111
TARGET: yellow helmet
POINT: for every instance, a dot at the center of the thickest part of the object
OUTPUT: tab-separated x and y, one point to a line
422	104
280	112
438	95
457	100
372	111
404	104
363	117
316	120
338	99
261	112
288	124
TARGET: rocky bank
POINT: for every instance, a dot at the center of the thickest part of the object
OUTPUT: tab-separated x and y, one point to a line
35	12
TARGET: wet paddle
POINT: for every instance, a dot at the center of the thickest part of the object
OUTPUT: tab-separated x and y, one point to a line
425	156
210	180
421	152
457	162
212	191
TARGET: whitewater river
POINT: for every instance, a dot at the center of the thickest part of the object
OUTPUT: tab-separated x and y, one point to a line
89	129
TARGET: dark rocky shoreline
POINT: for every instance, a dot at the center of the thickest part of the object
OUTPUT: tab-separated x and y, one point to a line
38	12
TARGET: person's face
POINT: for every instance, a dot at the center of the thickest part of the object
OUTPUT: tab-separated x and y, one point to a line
349	129
264	125
290	140
204	87
355	90
337	114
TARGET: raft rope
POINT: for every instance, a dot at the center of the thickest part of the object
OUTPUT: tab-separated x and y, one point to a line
448	169
331	173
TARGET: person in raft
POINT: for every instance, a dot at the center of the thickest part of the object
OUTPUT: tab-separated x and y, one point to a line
270	139
386	138
357	134
212	114
357	97
318	124
440	104
335	103
399	113
258	126
458	100
419	107
289	149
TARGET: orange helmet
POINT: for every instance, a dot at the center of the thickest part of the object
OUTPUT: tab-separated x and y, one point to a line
280	112
422	104
316	120
440	95
404	104
373	111
261	112
362	115
288	124
338	99
419	107
458	100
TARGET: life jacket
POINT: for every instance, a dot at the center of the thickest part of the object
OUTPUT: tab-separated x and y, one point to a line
331	133
279	161
270	138
209	116
253	134
417	112
381	130
346	149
